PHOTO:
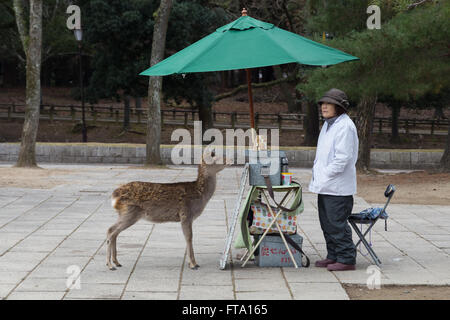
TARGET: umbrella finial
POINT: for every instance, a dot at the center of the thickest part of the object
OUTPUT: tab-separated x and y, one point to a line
244	12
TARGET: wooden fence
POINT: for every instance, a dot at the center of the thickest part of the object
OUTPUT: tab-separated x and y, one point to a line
186	117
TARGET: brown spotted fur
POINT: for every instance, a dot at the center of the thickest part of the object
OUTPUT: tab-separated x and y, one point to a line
162	202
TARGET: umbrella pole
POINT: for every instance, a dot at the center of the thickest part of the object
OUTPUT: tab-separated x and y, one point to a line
250	98
252	113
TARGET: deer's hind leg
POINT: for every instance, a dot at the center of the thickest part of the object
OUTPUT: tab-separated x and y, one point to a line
186	225
127	217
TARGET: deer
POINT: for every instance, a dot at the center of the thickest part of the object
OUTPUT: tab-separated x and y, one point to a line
164	202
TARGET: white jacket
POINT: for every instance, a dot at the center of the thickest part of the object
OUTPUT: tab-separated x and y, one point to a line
334	171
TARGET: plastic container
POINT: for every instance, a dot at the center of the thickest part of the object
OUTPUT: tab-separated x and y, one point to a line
273	253
286	178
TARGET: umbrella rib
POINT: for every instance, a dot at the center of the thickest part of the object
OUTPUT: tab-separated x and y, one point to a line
260	47
169	59
281	47
331	51
211	45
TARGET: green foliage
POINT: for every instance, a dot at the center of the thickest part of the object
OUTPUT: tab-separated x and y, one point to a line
407	59
436	99
286	14
189	22
9	40
336	17
395	6
57	39
120	34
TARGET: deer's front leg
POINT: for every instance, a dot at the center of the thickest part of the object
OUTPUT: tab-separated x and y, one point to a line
186	225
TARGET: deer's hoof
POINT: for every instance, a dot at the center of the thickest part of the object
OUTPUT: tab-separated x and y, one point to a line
117	264
194	267
111	268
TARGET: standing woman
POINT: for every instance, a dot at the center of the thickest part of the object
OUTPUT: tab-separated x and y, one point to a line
334	180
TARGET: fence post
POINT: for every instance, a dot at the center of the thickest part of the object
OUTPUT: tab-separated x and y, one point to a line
52	109
95	117
406	126
432	127
380	125
138	115
72	112
138	107
185	119
279	119
9	113
256	120
233	119
214	116
117	116
173	114
162	118
111	112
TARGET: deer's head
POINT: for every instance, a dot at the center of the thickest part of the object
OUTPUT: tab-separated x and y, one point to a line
214	162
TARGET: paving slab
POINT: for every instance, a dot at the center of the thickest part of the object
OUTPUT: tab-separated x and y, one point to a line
264	295
206	292
36	295
318	291
150	295
44	232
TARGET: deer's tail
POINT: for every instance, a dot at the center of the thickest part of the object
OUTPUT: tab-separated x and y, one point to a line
115	200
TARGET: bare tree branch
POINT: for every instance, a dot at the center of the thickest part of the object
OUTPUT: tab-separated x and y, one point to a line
21	25
22	59
413	5
254	85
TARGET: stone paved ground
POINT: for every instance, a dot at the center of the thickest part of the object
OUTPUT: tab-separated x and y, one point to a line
46	232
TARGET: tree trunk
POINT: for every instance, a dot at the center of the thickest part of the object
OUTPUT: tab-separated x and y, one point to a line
205	114
445	160
311	124
32	47
286	91
126	113
224	76
364	124
394	129
153	139
439	113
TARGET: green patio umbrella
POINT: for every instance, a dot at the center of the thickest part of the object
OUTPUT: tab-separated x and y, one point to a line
247	43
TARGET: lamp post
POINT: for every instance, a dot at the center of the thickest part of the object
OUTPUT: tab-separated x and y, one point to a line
79	36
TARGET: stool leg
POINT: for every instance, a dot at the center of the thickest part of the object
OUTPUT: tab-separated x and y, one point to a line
365	232
264	234
281	232
366	244
244	255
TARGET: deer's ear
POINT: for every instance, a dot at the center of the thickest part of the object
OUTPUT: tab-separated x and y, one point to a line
208	156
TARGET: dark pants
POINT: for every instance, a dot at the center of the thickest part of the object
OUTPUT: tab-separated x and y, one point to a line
333	214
